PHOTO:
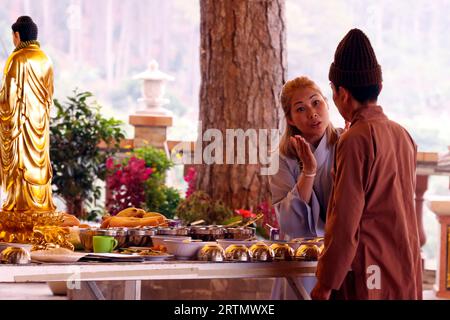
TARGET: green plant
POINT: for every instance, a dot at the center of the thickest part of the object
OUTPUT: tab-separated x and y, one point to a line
156	159
158	197
200	206
77	160
170	201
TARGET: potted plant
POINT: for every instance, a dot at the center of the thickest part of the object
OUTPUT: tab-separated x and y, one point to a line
140	181
77	160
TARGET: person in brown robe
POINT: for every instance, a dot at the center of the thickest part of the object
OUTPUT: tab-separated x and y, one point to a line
372	248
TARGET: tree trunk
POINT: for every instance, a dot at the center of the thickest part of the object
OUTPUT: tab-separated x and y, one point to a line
243	68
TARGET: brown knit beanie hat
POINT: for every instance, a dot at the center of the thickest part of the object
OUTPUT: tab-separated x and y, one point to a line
355	63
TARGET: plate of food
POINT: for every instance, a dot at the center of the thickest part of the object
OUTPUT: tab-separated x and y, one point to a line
111	257
57	255
148	253
125	257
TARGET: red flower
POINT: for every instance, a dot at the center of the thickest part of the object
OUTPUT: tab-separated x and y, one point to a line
126	184
109	163
246	214
190	178
147	174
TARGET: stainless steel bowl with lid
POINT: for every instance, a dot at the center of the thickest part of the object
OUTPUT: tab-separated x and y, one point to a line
211	252
86	235
15	255
237	253
141	237
173	231
260	252
308	252
282	252
207	233
240	233
121	236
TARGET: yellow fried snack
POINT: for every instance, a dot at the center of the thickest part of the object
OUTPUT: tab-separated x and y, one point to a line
105	222
132	222
70	220
153	214
131	212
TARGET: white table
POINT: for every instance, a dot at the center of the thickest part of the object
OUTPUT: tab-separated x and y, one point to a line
134	273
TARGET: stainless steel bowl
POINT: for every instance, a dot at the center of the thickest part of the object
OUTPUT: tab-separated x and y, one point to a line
211	252
173	231
308	252
240	233
140	237
260	252
207	233
237	252
15	255
120	234
282	252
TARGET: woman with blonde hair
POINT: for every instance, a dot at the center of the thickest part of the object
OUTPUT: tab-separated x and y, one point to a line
302	186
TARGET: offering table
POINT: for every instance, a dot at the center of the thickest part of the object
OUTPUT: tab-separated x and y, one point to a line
133	273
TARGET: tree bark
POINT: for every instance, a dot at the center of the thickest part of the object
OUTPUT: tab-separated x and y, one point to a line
243	68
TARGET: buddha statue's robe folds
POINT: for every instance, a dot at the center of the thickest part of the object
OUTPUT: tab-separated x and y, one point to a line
25	101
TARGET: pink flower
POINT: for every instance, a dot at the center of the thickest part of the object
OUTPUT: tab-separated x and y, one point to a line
190	178
109	163
147	173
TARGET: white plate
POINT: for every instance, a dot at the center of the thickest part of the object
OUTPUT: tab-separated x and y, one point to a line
43	256
139	248
130	257
158	258
113	255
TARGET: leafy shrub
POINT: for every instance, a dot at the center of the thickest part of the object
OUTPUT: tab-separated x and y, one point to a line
77	160
200	206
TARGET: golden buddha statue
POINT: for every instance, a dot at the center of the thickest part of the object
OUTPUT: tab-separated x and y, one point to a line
25	168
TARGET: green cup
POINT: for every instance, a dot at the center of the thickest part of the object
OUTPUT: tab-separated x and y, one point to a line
104	243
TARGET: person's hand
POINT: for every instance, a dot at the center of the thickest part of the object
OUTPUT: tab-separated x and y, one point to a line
304	153
347	125
320	292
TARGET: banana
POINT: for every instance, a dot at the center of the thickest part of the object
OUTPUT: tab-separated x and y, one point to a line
133	222
105	222
131	212
161	218
133	217
153	214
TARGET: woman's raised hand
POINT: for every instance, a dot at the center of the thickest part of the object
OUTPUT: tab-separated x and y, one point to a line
304	153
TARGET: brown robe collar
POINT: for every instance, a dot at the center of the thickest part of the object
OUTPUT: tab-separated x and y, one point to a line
368	113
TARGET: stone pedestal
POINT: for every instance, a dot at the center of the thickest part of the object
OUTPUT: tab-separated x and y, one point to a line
442	211
150	129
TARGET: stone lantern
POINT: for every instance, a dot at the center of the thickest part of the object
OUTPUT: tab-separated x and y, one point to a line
151	120
153	89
